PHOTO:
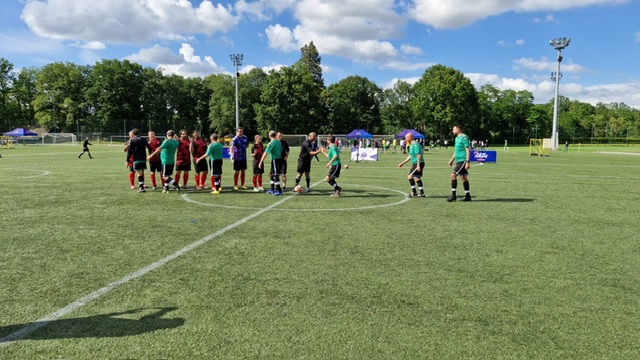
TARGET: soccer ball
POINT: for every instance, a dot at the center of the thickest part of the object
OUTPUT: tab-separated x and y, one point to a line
297	189
346	166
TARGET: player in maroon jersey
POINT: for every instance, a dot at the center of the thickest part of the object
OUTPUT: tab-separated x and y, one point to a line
256	153
198	148
183	161
155	164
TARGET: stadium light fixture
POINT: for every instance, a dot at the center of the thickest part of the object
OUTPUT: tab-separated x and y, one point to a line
237	61
558	44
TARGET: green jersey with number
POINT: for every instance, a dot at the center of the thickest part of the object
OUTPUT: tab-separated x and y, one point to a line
333	151
462	143
215	151
274	149
168	153
415	149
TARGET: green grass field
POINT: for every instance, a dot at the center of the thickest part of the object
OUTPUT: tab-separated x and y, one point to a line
543	263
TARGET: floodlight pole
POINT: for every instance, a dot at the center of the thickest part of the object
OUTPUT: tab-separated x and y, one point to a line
237	61
558	44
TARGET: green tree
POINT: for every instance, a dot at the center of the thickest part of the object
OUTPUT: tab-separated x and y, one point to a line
6	85
290	101
442	97
354	102
250	91
222	113
114	96
395	110
155	112
311	61
59	98
24	93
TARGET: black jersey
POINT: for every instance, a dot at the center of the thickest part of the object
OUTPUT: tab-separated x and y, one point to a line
138	149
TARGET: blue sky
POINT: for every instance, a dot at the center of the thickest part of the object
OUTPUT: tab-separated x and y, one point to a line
501	42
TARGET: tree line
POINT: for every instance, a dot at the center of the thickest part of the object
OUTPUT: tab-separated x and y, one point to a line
113	96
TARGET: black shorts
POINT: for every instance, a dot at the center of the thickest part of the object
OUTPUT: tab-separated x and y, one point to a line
256	169
459	169
283	167
186	167
139	165
415	172
202	166
216	167
334	171
304	166
167	169
276	167
239	165
155	166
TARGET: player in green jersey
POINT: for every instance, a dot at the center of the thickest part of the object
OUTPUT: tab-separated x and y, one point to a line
168	158
461	155
274	149
334	165
215	153
416	157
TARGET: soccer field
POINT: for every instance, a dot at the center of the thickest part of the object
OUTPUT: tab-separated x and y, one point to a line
543	263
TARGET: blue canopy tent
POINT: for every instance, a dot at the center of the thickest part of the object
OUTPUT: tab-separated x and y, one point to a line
20	132
404	132
359	134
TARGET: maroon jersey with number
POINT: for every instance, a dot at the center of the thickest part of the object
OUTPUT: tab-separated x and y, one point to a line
155	143
199	148
184	155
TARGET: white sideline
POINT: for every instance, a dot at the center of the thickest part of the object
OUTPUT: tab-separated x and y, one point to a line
27	330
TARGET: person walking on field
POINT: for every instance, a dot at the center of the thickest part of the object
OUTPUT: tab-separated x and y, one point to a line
461	156
416	157
334	165
85	148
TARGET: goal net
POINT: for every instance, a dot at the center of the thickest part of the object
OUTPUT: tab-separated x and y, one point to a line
59	138
539	147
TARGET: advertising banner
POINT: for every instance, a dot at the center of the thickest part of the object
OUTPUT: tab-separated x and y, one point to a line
484	155
364	154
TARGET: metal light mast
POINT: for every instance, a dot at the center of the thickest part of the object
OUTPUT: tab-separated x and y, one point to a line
237	61
558	44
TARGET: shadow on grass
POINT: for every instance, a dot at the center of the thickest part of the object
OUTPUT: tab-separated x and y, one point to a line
119	324
512	200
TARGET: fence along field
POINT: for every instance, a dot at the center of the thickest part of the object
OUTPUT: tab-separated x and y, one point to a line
542	263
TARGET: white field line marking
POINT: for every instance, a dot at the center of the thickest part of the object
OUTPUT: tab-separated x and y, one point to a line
25	331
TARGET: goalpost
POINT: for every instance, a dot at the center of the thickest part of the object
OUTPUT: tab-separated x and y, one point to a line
59	138
539	147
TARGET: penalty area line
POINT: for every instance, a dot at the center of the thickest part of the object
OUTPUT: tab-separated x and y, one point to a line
27	330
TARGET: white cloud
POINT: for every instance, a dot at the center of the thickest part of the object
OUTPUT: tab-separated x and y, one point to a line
637	36
345	28
451	14
545	64
543	91
411	50
407	66
186	63
262	10
156	55
281	38
520	42
91	45
125	21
